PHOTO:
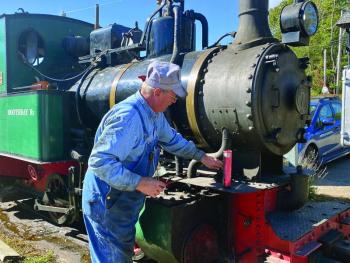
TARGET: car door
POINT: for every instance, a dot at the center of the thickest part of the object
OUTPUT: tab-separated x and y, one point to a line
324	133
336	106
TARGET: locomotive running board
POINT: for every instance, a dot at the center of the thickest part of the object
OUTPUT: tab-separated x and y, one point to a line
237	186
55	209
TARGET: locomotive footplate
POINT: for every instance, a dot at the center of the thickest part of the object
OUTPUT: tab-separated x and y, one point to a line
316	232
236	187
293	225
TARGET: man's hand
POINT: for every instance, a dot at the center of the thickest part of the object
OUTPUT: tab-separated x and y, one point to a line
211	162
150	186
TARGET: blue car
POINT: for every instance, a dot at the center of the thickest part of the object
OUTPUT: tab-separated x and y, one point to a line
323	134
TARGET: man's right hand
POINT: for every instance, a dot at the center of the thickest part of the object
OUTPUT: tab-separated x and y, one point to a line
150	186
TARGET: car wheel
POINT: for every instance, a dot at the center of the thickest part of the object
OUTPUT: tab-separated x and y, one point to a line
311	158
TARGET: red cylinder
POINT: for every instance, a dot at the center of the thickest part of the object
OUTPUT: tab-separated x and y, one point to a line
227	168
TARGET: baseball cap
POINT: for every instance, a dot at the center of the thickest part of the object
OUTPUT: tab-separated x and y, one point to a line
166	76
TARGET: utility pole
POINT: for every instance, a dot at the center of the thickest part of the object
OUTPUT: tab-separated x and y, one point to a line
325	89
340	49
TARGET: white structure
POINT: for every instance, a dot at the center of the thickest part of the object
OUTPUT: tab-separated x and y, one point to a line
345	122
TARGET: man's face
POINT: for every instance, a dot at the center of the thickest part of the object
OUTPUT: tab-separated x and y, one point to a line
165	98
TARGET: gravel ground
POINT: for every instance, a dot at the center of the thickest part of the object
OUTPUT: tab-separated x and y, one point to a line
31	234
336	183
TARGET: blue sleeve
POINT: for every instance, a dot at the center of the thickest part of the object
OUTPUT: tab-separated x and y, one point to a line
173	142
115	139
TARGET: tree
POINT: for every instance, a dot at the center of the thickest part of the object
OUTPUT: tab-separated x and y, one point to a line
325	38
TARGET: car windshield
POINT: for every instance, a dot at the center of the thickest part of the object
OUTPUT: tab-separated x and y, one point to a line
312	110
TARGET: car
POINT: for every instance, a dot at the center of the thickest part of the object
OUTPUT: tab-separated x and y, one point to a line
322	135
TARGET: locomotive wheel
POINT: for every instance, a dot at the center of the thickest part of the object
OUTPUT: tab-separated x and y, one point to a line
202	245
57	194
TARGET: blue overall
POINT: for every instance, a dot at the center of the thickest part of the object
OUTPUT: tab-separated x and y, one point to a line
126	148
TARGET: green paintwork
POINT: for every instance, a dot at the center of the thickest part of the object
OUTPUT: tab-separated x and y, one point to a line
57	62
153	232
32	125
3	74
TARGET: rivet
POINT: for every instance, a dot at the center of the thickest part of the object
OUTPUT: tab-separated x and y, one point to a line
202	81
108	197
210	60
248	103
205	70
254	65
250	76
200	92
249	90
258	55
249	116
251	128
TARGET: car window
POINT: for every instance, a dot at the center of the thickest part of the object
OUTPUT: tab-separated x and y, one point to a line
312	110
337	110
325	113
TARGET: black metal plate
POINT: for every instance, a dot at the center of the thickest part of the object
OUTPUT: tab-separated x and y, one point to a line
295	224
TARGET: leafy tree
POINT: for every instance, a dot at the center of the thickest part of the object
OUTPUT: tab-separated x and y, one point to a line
326	38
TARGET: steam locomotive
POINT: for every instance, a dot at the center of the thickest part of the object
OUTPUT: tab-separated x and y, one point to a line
250	97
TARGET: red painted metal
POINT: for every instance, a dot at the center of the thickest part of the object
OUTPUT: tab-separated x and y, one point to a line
227	168
254	237
33	172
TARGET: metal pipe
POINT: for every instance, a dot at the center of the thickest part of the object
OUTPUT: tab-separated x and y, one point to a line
225	143
253	23
177	31
178	166
204	22
97	21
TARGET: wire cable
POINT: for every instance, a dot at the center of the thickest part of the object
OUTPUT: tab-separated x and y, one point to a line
91	7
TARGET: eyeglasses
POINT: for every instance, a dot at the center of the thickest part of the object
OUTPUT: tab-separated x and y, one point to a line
170	94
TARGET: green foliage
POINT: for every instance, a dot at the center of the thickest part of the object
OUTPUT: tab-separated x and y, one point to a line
326	38
49	257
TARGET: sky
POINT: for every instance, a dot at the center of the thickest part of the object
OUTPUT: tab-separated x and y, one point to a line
221	15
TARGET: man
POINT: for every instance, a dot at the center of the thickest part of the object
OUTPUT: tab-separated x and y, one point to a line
124	158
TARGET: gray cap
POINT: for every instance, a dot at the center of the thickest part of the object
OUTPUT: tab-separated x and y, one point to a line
166	76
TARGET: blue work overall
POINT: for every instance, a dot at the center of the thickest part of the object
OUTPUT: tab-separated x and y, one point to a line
110	215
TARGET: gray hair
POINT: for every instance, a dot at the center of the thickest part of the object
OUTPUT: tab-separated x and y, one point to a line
146	88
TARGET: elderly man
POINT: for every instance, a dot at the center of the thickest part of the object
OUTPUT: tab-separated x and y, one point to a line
124	158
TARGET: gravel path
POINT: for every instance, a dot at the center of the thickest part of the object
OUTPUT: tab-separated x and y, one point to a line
337	181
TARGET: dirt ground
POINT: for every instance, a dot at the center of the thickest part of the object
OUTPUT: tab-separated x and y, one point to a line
32	236
30	233
336	182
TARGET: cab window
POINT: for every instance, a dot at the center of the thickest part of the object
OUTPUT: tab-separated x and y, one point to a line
337	111
325	113
31	46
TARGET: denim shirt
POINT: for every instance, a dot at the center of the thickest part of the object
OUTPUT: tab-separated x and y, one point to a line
121	139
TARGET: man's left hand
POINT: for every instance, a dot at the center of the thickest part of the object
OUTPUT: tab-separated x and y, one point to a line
211	162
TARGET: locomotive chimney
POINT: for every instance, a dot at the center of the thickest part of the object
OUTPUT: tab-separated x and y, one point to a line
253	24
